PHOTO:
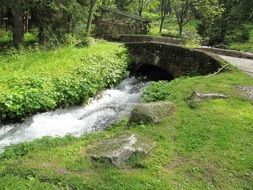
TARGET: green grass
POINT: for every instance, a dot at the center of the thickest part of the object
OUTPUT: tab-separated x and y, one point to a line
171	29
208	147
38	80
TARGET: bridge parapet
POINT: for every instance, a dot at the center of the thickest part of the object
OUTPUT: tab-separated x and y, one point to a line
149	38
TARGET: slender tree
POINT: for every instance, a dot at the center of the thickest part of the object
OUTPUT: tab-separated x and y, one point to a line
184	11
92	5
140	5
165	9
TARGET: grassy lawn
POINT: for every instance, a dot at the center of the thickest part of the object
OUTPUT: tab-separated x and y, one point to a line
171	29
207	147
38	80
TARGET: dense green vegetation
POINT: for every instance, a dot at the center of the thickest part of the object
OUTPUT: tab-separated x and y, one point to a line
34	81
192	38
208	147
244	46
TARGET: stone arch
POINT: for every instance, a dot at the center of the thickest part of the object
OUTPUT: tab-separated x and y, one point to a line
176	60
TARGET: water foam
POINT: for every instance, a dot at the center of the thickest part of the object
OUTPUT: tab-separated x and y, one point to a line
108	107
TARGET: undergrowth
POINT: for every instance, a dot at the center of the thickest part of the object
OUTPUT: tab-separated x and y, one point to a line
40	80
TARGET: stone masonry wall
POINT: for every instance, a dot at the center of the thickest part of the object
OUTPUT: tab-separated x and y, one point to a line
177	60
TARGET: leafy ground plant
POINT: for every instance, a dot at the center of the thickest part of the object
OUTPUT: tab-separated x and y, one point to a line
36	81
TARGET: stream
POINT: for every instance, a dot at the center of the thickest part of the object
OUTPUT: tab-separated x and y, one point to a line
108	107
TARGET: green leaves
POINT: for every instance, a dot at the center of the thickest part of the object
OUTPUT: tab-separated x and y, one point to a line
156	92
34	89
221	22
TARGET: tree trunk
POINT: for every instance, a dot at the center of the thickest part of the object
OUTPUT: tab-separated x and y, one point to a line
69	24
140	9
140	12
90	18
180	30
1	15
26	21
18	26
9	19
42	36
161	24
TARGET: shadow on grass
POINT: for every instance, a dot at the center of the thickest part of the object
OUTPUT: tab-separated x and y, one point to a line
6	46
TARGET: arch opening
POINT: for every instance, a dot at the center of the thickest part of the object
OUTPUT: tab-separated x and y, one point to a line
151	72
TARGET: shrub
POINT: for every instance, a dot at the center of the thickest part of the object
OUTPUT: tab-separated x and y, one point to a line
239	34
156	92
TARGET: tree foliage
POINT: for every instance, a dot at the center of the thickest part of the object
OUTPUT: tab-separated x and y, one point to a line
221	22
55	19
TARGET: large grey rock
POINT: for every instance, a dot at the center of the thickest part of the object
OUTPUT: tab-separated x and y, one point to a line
118	149
153	112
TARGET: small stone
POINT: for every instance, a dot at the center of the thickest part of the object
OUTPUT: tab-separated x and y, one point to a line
247	91
118	149
197	97
154	112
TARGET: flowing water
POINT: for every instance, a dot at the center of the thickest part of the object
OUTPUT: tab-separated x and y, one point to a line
108	107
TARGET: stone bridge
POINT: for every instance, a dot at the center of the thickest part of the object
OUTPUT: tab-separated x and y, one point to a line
168	61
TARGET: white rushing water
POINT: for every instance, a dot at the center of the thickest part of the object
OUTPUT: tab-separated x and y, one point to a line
106	108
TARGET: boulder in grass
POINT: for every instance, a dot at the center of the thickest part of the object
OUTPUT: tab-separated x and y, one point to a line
197	97
118	149
154	112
